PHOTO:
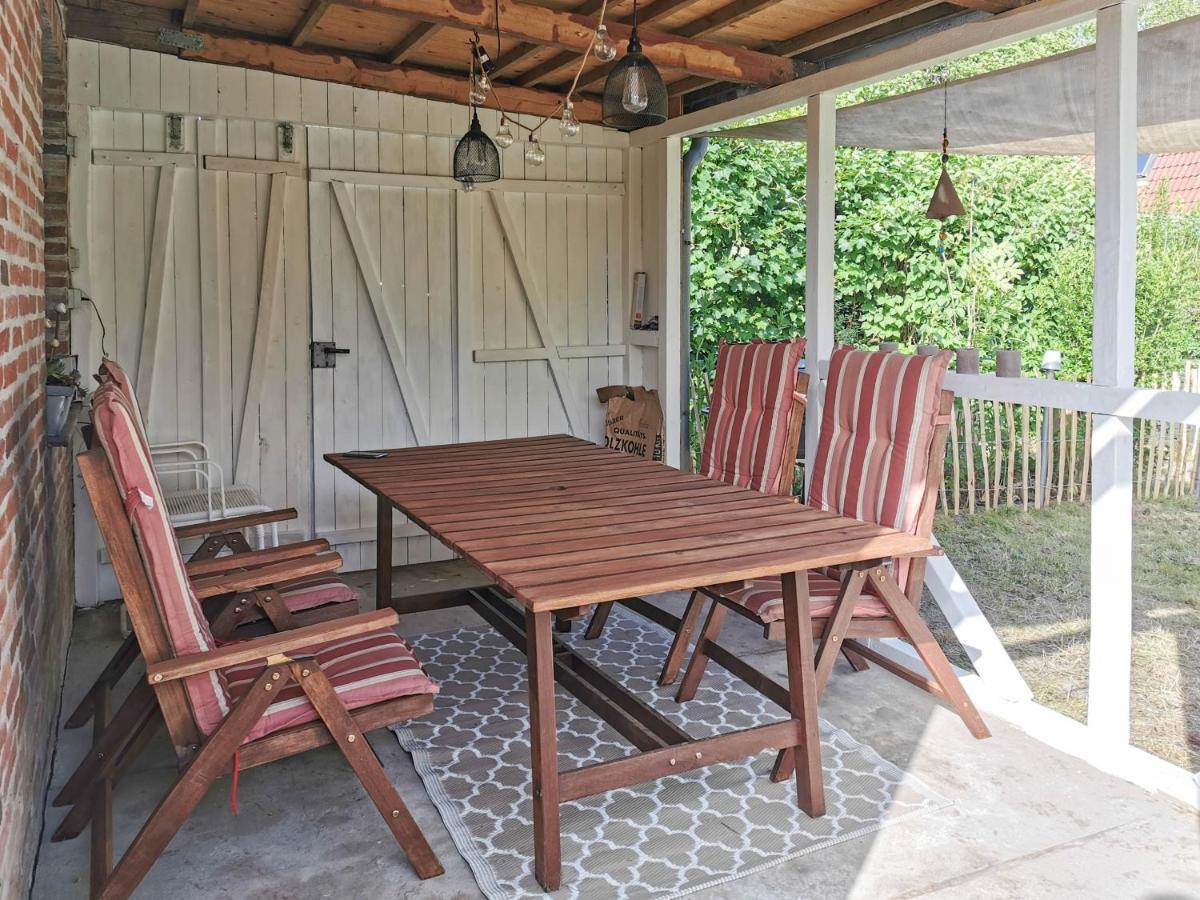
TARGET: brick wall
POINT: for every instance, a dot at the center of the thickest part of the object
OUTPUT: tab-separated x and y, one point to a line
35	480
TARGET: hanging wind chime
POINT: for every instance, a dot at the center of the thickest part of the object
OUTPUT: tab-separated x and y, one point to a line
945	202
641	99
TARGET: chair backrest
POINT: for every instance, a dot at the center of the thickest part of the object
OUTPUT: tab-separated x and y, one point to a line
883	423
754	416
111	372
182	617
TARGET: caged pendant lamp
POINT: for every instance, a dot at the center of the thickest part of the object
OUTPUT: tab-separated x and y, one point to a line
634	93
945	202
476	159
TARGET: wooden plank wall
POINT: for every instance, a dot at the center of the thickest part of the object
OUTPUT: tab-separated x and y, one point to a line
445	304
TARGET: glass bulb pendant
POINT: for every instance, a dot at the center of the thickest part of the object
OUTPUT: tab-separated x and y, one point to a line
634	98
569	124
603	47
477	95
468	186
504	136
484	83
534	154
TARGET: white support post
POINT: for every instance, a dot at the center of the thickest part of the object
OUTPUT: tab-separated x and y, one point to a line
819	237
1112	365
670	320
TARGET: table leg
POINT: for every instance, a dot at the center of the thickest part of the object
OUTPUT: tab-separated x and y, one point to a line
547	840
383	553
802	687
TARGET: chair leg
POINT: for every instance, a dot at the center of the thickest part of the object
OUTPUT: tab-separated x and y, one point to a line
835	627
112	738
699	660
116	668
362	759
857	662
599	619
173	810
929	650
674	660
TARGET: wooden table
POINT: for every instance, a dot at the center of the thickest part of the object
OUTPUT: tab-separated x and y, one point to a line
560	523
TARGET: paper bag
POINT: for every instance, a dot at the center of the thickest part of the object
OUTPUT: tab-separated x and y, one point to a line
633	420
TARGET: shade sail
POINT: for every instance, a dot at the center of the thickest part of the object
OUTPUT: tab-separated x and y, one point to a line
1045	107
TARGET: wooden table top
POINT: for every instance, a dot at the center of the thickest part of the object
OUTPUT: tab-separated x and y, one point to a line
559	522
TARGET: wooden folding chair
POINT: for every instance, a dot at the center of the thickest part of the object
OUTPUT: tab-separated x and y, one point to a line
754	424
879	459
298	598
241	705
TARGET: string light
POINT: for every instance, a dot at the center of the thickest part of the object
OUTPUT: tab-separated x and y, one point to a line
569	124
603	45
534	154
504	137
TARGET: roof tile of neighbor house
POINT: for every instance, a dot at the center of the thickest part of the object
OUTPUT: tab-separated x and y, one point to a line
1181	174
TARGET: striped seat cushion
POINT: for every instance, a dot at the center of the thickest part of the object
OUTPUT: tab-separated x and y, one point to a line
363	670
764	598
872	460
747	440
187	628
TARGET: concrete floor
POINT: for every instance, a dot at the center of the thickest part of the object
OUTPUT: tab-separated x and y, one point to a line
1027	821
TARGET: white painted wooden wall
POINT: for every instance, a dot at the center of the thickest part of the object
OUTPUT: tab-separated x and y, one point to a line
459	308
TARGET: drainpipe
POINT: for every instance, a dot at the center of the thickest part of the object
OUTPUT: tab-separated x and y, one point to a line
691	162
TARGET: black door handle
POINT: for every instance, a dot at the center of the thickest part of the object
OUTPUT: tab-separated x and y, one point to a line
324	354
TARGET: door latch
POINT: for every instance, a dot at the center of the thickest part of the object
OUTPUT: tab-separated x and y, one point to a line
324	354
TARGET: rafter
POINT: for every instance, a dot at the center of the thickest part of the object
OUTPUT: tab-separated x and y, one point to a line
540	25
190	12
560	61
308	22
412	42
524	51
369	73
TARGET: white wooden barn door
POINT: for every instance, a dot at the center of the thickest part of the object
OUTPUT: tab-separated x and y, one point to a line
381	257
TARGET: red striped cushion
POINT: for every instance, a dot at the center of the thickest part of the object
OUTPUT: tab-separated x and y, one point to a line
764	598
364	670
308	593
748	421
876	430
187	627
111	371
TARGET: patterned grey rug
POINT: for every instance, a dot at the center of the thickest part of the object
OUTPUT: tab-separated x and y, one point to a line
663	839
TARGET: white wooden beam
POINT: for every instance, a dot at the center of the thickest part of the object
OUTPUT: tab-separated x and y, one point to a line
1112	365
950	44
445	182
818	278
670	316
536	300
269	288
156	282
255	166
368	268
146	159
521	354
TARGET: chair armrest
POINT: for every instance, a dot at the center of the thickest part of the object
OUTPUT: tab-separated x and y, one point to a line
931	551
270	645
265	576
234	523
255	558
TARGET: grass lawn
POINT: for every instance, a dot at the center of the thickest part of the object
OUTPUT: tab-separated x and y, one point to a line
1029	573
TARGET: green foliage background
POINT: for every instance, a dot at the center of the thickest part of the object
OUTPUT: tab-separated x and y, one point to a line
1015	272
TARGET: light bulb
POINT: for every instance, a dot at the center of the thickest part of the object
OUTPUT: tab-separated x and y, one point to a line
485	83
534	154
504	136
477	94
468	186
634	98
604	48
569	124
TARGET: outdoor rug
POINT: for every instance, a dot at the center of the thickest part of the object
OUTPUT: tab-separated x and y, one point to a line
667	838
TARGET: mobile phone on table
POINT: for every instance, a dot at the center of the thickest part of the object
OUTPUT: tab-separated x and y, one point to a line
365	454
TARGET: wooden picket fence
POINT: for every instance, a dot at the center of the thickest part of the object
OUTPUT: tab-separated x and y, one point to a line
1005	454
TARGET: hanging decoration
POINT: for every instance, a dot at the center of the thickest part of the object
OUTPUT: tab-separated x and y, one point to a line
641	99
476	159
945	202
634	93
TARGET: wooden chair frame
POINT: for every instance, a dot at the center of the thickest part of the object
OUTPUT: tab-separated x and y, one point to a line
203	759
841	632
787	478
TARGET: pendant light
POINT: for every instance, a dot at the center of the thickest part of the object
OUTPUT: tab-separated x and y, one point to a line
634	93
945	202
476	159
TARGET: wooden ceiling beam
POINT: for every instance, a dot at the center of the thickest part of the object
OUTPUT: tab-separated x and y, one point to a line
524	51
723	17
412	42
560	61
191	11
343	68
307	24
540	25
993	6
